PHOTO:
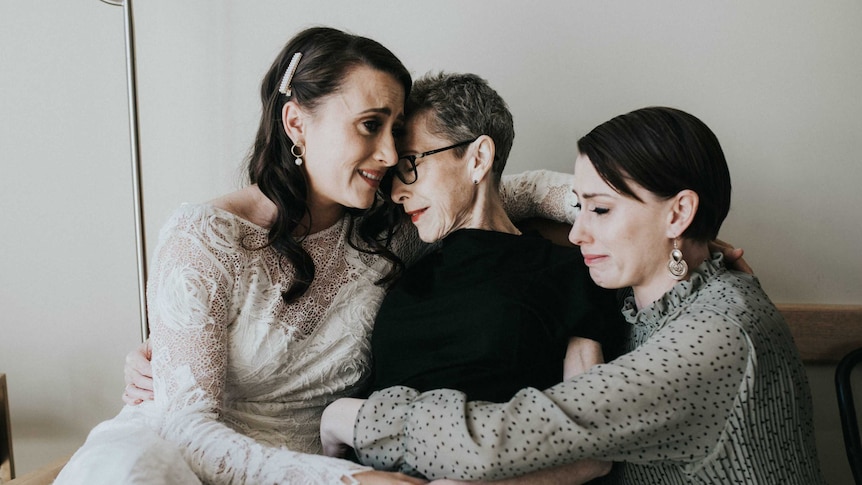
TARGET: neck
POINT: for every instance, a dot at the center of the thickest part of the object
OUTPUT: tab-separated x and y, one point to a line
489	214
250	204
263	211
322	217
694	253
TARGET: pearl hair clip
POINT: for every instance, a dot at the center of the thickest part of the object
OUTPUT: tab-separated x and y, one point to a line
284	87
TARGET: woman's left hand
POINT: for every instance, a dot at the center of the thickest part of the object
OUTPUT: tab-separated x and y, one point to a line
336	425
732	255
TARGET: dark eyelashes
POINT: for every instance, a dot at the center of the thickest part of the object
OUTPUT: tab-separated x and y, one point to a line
372	125
597	210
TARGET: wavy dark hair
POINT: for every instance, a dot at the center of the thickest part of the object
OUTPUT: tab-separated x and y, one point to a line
664	150
328	56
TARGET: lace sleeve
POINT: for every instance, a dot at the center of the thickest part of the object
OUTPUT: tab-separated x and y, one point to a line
189	303
538	193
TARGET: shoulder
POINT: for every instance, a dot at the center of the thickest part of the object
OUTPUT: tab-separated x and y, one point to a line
535	241
733	303
212	227
737	296
200	218
553	258
249	204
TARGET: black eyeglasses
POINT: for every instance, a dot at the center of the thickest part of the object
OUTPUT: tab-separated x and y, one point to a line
405	170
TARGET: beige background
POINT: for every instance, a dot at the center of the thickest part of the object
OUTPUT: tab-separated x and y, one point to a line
778	81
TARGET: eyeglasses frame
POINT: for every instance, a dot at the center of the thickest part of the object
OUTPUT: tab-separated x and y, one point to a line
412	159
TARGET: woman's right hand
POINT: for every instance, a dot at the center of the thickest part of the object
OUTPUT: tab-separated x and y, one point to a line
139	375
375	477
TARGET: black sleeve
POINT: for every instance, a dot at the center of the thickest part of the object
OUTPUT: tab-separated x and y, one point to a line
590	311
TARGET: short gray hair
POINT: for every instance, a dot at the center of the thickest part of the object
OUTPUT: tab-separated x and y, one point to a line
464	107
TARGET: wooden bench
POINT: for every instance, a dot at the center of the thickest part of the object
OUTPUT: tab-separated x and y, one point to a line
824	333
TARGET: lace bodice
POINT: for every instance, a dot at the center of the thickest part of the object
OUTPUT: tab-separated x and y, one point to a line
241	378
237	371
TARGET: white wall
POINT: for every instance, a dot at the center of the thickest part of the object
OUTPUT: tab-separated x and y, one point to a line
67	258
778	81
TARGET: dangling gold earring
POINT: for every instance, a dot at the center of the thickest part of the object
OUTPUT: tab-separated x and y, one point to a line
677	267
299	155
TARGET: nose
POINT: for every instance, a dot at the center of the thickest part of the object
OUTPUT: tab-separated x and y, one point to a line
578	234
400	191
386	153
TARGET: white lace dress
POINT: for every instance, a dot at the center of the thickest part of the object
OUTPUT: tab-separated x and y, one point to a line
241	378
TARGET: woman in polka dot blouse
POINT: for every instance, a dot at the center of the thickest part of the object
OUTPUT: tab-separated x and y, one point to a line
711	389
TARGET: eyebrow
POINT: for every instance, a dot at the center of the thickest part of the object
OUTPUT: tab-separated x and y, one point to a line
590	196
385	111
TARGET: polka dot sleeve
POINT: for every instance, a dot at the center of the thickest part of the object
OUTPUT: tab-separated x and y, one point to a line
668	400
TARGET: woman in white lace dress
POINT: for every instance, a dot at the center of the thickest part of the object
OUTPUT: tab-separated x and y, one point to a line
261	301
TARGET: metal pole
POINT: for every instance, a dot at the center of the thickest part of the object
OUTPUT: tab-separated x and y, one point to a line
140	238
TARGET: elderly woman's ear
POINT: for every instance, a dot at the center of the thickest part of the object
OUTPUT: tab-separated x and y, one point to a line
481	159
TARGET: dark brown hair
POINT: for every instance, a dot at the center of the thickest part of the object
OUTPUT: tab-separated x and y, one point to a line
328	56
664	150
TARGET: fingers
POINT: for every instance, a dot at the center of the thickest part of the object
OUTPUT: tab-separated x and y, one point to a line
137	374
719	244
138	370
374	477
134	395
741	264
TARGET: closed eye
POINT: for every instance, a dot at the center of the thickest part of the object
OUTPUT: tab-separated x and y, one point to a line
597	210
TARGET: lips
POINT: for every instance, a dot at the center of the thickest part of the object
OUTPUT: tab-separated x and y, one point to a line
372	177
415	215
593	259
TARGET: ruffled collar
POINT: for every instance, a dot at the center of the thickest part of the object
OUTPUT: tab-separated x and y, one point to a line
655	314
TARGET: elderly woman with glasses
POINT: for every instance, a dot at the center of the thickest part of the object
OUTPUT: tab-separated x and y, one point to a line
492	310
